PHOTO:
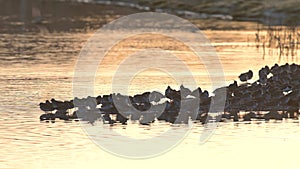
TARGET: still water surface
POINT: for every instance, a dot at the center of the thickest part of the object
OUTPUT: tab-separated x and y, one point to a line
38	67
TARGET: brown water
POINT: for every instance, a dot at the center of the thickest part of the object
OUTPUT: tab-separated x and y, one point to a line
36	67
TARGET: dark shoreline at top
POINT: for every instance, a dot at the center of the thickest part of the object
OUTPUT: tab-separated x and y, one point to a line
262	11
56	16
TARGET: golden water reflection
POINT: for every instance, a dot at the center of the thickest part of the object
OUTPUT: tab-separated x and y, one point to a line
39	67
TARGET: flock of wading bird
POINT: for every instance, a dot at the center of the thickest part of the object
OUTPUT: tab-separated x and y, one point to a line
275	95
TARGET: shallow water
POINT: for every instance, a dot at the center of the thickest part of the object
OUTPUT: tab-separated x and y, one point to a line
36	67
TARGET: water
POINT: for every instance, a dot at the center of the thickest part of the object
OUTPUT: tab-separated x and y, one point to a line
36	67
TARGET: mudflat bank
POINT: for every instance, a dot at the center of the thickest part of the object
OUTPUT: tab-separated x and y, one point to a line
73	16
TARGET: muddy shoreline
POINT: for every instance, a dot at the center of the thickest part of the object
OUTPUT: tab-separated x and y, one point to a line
54	16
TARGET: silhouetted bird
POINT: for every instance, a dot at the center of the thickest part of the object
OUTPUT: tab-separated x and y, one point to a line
46	106
107	118
184	92
273	115
120	118
172	94
61	114
147	117
197	92
246	76
155	96
47	116
249	116
233	86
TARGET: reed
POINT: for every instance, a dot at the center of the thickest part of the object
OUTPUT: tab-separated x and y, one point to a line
284	40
